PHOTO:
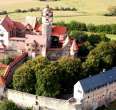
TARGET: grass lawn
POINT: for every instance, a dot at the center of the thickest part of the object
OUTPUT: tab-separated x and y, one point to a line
111	36
89	11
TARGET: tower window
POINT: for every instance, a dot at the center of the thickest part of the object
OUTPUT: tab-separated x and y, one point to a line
1	41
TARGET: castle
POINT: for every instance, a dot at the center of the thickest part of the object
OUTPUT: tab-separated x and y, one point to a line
45	39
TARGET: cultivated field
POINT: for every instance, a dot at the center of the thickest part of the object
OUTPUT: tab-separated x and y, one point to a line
89	11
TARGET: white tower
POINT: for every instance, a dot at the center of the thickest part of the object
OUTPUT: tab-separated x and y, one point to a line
47	19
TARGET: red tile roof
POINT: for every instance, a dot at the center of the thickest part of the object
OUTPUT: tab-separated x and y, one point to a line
56	30
18	25
7	23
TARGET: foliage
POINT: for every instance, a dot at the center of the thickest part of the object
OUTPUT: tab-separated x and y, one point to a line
103	56
79	36
24	78
4	12
6	105
108	28
94	39
71	68
85	48
78	26
47	81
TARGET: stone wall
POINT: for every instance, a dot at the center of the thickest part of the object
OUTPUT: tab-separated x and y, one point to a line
100	96
28	100
8	74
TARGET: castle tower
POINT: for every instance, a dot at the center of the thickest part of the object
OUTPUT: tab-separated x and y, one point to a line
47	19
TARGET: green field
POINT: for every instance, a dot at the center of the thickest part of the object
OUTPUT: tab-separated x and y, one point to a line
89	11
111	36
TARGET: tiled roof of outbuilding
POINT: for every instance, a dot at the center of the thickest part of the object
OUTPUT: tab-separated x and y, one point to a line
97	81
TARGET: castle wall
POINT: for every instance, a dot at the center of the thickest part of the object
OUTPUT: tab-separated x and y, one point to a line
28	100
100	96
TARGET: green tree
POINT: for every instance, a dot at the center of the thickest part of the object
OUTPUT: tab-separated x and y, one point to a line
102	56
8	105
48	80
71	68
85	48
24	79
78	35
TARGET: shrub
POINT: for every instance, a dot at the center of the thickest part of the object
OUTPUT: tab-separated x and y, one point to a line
67	9
56	8
18	11
37	9
24	11
31	10
8	105
24	79
73	9
79	36
3	12
73	25
91	28
62	8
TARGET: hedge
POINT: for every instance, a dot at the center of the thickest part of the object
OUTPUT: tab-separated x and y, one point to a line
73	25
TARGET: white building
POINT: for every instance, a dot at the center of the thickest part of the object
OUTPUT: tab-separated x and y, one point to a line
96	91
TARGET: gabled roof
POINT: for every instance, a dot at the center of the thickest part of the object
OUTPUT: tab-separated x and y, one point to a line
97	81
7	23
56	30
31	20
18	25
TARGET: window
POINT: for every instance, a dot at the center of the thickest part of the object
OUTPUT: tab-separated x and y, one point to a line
79	91
1	41
27	44
1	35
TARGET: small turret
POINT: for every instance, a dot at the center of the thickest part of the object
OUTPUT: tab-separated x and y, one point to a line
66	42
74	48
